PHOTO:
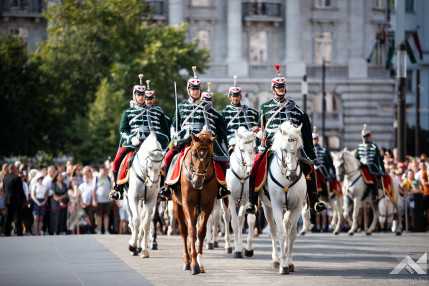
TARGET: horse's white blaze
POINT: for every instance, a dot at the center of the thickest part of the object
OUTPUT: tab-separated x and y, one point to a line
141	196
237	180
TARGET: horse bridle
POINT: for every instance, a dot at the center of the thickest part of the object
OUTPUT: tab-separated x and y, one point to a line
283	163
348	173
144	177
190	172
242	180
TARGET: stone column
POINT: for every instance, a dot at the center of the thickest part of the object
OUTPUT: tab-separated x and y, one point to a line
175	12
358	67
237	64
295	66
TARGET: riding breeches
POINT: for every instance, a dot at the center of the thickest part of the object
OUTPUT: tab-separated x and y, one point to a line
120	154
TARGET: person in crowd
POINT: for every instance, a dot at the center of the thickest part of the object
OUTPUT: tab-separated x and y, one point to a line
47	181
75	211
4	171
123	214
89	201
27	215
103	202
59	204
15	201
39	195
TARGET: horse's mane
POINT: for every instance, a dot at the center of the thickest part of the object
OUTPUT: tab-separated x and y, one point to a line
243	136
150	144
286	128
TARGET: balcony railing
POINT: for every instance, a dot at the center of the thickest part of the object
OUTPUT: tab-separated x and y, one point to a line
262	11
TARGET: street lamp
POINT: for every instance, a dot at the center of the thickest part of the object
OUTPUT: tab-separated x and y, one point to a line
401	75
304	92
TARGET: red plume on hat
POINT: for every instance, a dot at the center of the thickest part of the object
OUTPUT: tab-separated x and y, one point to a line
277	68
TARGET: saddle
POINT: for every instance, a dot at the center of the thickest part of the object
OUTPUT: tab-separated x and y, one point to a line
386	182
124	167
175	170
260	170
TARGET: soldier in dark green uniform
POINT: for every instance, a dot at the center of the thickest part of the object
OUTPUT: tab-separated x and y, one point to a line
273	113
136	124
369	156
323	162
192	115
237	114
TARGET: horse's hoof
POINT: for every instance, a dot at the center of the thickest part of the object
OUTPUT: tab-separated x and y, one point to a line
145	254
216	244
336	232
229	250
238	254
186	267
202	269
291	268
276	264
351	233
210	246
154	246
368	233
133	250
196	269
398	233
302	233
248	253
284	270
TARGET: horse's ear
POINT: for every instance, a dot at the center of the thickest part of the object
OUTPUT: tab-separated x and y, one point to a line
299	127
195	138
212	138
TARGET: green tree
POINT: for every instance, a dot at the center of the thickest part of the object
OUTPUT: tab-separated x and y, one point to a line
94	51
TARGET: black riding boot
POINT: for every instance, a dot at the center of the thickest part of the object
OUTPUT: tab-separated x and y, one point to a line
313	200
117	192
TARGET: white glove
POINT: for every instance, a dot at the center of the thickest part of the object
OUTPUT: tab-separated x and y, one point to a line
135	141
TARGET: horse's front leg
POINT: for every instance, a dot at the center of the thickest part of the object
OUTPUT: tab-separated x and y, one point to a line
135	224
306	223
235	228
273	229
356	208
338	215
290	223
202	229
227	219
183	230
146	225
281	227
191	220
374	218
251	219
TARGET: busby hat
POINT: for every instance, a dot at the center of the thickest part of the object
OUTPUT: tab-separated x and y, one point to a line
149	93
279	80
208	95
315	135
139	89
365	131
194	82
234	90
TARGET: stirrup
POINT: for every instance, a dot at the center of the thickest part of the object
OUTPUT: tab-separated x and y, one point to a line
319	207
250	208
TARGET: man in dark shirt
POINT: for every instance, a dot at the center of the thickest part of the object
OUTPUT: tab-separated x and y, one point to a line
15	201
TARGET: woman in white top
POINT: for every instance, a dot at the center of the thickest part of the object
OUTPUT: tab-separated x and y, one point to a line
39	195
88	194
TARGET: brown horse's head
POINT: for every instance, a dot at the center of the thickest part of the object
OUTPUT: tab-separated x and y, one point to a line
201	157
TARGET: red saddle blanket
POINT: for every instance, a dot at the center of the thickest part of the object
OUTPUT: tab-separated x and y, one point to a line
124	167
368	178
173	175
320	180
334	185
388	187
259	170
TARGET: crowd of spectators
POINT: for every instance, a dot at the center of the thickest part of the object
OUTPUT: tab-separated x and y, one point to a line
59	199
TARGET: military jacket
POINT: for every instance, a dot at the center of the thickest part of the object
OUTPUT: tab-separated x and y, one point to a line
273	113
324	162
140	121
237	116
192	116
369	154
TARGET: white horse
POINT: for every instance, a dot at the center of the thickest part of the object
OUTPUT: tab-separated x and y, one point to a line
387	209
346	164
142	193
237	180
287	190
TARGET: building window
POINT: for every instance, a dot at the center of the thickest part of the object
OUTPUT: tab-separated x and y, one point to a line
379	4
19	4
409	6
322	3
200	3
203	39
258	47
323	47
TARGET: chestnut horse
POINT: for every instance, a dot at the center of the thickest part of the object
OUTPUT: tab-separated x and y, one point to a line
193	201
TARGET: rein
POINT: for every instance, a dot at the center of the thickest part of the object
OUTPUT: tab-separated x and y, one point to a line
242	180
144	178
190	172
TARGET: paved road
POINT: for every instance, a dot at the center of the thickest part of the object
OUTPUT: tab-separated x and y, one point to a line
320	259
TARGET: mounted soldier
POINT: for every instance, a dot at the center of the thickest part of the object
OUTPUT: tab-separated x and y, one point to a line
136	123
326	177
237	114
192	115
371	161
273	113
